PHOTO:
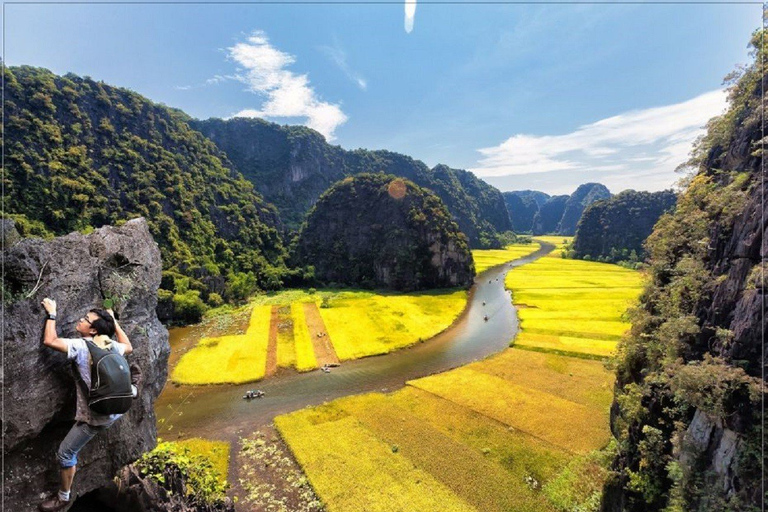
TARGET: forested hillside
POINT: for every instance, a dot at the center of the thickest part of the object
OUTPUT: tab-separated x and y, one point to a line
378	230
615	229
80	154
291	166
687	412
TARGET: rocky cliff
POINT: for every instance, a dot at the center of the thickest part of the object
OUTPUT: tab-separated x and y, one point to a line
292	165
79	272
582	197
547	219
381	231
689	392
615	229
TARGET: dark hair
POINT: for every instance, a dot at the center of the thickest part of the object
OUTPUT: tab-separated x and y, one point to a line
105	324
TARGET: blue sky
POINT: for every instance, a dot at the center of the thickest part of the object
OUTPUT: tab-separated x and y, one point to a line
526	96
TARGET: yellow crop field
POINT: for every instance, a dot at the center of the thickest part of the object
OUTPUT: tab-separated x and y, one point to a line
520	454
351	469
305	352
564	423
487	258
215	451
363	323
572	306
578	380
464	470
558	241
228	359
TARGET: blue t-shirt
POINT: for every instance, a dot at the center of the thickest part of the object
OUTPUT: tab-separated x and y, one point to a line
77	350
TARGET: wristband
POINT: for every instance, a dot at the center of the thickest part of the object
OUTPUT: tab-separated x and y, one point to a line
51	317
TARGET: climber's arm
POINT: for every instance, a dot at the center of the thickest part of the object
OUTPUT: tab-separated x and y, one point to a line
50	338
122	338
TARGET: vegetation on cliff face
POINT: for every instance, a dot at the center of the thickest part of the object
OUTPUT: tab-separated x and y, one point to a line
687	408
521	208
81	154
531	211
377	230
293	165
615	229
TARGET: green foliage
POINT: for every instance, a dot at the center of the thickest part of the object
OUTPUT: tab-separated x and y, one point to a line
677	359
188	306
168	463
29	228
240	286
82	154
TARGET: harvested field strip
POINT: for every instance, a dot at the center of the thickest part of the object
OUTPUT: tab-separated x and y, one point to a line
353	470
566	345
487	258
271	362
236	358
520	454
465	471
305	352
578	380
569	425
286	345
323	347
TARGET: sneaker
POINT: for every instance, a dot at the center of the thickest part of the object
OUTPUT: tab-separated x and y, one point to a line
53	504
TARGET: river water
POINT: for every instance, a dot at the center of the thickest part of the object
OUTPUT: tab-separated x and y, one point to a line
219	412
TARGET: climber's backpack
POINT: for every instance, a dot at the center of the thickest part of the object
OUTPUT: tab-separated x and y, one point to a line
110	391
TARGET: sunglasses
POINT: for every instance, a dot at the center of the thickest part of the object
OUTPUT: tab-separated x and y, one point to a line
83	319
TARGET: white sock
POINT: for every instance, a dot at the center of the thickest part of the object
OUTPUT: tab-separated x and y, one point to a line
64	495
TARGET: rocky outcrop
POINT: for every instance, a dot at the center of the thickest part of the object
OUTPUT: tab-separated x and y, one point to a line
547	219
522	208
380	231
584	195
690	374
79	272
615	229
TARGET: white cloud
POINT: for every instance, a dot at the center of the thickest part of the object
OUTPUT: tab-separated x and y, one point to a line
339	57
410	14
287	94
640	142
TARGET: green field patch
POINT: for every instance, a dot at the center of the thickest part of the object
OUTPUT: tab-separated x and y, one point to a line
305	352
585	382
487	258
352	469
228	359
465	471
564	423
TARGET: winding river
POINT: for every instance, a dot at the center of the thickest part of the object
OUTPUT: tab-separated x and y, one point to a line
219	412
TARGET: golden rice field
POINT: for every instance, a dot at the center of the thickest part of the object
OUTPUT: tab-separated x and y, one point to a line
524	430
572	306
487	258
357	323
228	359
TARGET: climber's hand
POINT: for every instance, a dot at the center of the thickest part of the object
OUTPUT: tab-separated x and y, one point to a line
49	305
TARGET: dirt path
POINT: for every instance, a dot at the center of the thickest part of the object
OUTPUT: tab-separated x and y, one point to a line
321	341
271	367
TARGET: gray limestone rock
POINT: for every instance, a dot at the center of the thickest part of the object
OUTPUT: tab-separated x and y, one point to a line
79	272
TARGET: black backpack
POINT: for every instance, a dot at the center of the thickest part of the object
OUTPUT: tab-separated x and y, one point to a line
110	391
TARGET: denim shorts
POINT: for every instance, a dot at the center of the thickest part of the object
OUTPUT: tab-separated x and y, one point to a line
76	439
